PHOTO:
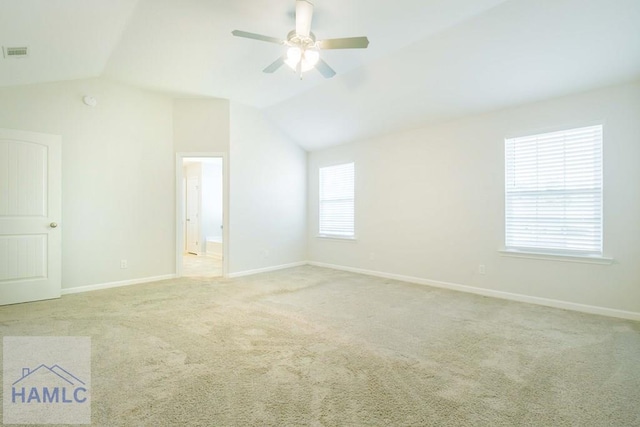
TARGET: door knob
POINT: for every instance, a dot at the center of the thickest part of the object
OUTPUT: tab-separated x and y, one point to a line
53	225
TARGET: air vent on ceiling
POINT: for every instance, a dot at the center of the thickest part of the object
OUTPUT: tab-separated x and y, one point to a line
15	52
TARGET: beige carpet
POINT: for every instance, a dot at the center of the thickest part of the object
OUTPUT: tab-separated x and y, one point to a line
318	347
201	266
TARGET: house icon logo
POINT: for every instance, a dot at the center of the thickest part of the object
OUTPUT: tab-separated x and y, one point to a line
46	380
48	384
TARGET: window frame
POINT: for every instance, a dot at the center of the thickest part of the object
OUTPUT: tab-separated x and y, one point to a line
329	235
550	253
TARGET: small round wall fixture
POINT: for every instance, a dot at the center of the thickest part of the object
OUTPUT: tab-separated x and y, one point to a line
90	101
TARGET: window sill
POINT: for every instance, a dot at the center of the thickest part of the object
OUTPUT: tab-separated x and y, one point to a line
556	257
330	237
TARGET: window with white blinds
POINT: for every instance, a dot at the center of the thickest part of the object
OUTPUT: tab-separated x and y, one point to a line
554	192
337	188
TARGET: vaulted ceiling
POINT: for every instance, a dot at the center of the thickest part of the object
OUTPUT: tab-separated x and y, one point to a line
428	60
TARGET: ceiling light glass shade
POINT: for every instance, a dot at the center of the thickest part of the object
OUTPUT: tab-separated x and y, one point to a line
311	57
307	58
293	57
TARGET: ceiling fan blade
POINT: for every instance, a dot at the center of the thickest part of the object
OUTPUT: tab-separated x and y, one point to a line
346	43
247	35
274	65
304	14
324	69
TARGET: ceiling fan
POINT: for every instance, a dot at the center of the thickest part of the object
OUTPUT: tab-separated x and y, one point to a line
303	51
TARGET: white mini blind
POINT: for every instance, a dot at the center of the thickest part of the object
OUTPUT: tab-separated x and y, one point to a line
554	192
337	189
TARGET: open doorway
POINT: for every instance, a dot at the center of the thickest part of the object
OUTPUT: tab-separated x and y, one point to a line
200	199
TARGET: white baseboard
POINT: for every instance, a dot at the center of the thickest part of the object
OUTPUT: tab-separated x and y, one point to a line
266	269
603	311
100	286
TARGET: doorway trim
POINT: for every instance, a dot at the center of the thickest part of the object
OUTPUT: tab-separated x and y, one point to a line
180	211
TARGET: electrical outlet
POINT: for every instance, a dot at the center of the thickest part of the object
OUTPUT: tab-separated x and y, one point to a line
482	269
123	263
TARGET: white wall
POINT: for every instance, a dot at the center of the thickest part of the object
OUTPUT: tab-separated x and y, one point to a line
268	194
430	202
201	125
117	175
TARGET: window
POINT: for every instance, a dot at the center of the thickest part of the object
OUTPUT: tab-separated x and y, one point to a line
553	197
337	201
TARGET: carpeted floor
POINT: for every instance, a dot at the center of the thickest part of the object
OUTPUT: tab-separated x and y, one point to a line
201	266
318	347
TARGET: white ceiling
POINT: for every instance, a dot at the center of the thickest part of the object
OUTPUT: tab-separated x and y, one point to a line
67	39
428	60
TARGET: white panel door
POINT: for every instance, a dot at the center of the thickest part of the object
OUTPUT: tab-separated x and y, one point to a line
193	215
30	214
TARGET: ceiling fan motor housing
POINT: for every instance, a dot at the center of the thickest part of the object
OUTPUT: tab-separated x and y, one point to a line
303	42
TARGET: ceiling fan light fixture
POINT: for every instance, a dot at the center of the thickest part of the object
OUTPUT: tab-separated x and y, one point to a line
303	50
307	58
